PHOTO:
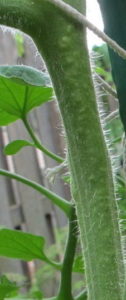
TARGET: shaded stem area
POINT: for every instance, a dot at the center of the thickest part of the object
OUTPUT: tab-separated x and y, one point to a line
57	200
65	291
38	143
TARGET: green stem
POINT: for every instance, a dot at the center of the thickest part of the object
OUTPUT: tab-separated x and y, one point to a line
65	291
57	200
57	266
66	55
38	143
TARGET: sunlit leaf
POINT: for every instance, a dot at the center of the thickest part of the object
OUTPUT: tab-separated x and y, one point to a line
21	89
6	118
15	146
21	245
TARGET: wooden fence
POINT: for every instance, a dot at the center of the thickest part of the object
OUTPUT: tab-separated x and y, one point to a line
21	207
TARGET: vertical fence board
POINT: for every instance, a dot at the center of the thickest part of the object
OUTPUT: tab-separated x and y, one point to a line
32	202
47	124
6	265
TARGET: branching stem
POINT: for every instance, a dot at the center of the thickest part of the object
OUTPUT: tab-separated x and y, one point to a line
38	143
57	200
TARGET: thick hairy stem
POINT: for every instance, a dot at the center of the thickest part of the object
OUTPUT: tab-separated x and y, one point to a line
114	19
62	42
67	59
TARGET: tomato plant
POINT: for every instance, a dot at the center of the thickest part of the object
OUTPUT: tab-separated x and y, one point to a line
60	35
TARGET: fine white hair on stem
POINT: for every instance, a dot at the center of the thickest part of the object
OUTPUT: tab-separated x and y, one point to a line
113	115
105	85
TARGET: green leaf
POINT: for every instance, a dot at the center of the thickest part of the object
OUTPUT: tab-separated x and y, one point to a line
21	89
6	118
78	265
15	146
6	287
21	245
